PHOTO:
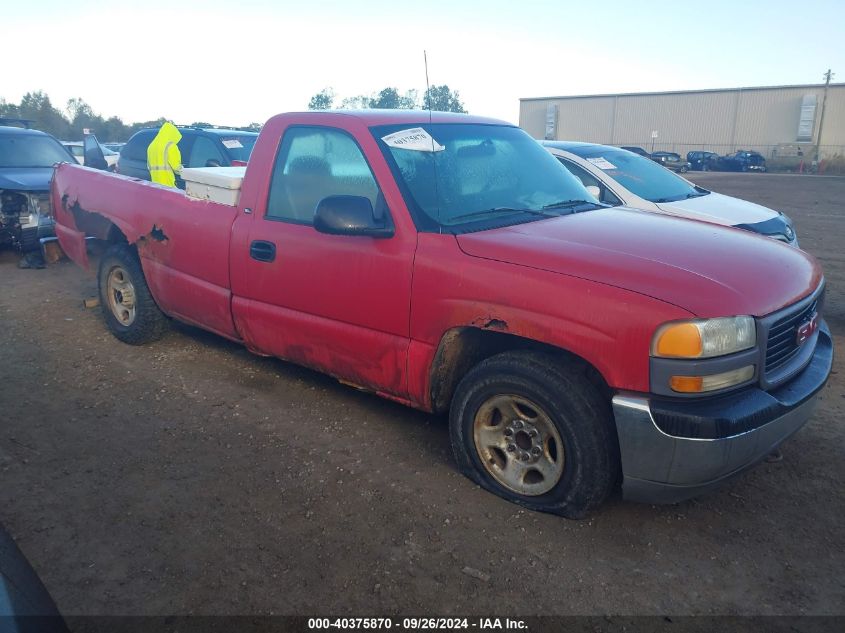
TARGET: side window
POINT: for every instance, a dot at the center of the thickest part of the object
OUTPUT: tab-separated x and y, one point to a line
588	180
314	163
205	153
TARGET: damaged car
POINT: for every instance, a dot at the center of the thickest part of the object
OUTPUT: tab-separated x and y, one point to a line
26	167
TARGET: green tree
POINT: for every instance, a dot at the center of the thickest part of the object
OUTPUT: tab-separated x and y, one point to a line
356	103
323	100
83	117
114	129
77	108
37	107
9	110
442	99
389	98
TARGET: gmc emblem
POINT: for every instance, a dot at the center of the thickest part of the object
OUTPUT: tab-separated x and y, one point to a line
807	329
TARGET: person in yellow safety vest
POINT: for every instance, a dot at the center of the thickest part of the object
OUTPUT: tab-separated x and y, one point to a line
164	159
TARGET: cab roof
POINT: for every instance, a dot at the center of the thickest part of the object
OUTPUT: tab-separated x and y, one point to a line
401	117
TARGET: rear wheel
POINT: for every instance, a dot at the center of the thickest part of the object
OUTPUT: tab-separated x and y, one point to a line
536	432
128	306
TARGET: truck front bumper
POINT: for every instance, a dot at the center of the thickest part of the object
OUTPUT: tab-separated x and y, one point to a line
720	437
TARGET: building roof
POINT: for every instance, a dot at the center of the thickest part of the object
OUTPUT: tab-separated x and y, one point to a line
681	92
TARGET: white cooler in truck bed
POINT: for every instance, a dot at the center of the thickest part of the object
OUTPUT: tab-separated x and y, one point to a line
219	184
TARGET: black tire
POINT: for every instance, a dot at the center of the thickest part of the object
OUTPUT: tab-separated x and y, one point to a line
581	416
148	323
684	170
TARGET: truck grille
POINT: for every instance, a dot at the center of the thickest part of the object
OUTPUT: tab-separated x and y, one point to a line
781	345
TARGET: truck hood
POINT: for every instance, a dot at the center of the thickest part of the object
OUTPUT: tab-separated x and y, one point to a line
720	209
26	178
703	268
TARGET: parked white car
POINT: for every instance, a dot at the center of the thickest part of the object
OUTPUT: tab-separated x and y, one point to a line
618	177
77	149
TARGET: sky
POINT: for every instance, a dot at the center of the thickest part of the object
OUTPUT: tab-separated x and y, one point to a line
237	62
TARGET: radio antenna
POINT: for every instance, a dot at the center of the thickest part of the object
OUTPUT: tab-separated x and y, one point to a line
433	154
427	87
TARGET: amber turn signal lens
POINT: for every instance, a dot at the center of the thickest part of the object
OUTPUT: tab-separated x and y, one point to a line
713	382
681	340
686	384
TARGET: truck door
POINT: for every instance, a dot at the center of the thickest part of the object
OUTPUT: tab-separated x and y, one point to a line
338	303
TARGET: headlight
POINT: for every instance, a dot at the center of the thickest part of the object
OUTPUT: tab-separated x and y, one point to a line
789	229
704	338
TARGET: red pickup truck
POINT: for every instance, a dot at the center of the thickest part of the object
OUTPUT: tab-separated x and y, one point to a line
450	263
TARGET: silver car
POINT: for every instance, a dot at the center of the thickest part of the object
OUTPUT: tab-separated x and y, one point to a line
618	177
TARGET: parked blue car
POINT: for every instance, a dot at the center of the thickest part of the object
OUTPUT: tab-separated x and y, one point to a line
26	167
703	161
743	160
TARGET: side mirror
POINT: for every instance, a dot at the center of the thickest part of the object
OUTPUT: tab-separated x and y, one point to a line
594	191
94	153
350	215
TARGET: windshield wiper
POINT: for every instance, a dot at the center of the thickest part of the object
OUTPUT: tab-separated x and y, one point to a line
473	214
568	204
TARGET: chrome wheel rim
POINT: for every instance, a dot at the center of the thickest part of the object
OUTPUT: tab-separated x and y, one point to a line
518	444
121	296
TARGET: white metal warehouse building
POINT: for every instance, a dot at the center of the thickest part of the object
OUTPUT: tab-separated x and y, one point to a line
773	120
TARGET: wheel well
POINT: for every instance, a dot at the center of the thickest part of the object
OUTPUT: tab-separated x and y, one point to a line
97	226
115	235
463	348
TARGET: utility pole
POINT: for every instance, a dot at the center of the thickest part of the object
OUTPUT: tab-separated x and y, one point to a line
827	77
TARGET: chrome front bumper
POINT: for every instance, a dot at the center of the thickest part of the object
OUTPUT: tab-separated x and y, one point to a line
661	468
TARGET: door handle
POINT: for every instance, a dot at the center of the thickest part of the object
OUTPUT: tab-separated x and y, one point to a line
262	251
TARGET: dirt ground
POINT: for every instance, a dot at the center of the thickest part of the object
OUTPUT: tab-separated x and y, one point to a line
190	476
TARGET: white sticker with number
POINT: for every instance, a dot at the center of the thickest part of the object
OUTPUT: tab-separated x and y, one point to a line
601	163
415	139
232	143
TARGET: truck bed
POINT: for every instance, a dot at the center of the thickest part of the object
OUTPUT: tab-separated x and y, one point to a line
183	242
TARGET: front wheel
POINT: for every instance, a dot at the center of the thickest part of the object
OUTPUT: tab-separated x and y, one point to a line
684	169
128	306
536	432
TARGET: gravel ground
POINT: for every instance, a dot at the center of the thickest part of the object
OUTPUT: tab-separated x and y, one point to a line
189	476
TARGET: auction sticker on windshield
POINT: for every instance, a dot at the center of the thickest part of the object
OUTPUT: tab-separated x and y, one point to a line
415	139
601	163
232	143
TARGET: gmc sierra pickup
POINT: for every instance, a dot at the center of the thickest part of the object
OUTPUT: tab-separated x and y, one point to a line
452	264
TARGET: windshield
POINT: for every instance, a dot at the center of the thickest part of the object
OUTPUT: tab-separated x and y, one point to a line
29	150
641	176
456	176
239	147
